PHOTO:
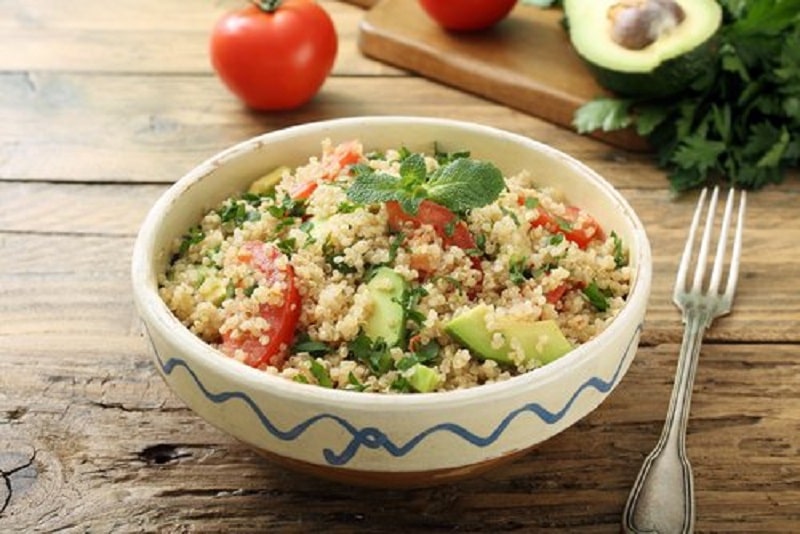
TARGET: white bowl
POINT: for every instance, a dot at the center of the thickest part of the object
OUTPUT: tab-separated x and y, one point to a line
392	440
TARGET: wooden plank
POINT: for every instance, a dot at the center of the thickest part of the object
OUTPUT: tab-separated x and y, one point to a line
74	208
170	123
525	61
174	469
140	36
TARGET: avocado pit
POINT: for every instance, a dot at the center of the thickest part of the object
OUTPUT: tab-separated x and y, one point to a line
636	24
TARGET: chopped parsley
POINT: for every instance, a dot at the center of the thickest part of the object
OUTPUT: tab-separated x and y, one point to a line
518	271
321	374
596	296
194	236
304	343
620	258
373	354
410	302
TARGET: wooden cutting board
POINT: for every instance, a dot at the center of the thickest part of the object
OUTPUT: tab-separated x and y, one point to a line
525	62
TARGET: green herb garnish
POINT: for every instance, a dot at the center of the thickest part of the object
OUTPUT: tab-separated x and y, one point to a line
518	271
353	383
459	185
287	246
374	354
596	296
194	236
620	259
321	374
531	202
410	301
334	259
305	344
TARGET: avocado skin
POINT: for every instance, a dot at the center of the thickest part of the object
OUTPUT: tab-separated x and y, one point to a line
668	79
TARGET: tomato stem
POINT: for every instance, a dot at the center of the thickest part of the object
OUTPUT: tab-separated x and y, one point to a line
267	6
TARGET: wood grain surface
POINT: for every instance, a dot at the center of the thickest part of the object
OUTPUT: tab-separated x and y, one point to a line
105	106
525	61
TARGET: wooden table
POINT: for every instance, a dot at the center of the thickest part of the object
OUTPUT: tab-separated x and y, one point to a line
104	104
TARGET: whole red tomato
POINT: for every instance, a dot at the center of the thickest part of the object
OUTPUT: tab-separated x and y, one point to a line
467	15
274	54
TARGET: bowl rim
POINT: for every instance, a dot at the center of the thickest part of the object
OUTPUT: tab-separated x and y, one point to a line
156	314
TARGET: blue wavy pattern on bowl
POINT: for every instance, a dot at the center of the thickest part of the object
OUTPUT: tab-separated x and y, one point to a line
374	438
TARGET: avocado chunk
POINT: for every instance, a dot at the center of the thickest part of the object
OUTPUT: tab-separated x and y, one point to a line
645	48
387	321
422	378
539	340
266	184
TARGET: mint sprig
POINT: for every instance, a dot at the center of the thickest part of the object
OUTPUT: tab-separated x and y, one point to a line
459	185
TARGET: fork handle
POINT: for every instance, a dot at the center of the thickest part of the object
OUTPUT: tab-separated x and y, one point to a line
662	498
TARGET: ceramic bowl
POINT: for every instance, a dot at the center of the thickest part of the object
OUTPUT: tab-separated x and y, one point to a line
390	440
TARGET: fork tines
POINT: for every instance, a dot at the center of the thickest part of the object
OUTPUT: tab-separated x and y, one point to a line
696	288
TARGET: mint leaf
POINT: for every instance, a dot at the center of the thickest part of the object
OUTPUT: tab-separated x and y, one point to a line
459	185
410	204
464	184
370	188
413	171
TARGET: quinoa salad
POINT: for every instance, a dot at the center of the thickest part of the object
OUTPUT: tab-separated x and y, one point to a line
396	272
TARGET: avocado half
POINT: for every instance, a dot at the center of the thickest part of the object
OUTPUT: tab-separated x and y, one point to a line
642	48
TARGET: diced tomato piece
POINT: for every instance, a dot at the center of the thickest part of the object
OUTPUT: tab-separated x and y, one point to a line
452	230
343	155
554	295
545	220
582	235
303	191
282	319
588	230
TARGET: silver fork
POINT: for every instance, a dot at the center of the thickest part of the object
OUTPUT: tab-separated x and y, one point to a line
662	498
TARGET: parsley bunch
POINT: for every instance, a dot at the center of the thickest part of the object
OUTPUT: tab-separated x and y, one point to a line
739	123
460	184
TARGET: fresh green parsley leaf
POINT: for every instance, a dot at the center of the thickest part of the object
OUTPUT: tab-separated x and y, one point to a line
353	383
321	374
194	236
596	296
287	246
410	301
518	271
699	153
305	344
511	215
604	114
374	354
620	259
